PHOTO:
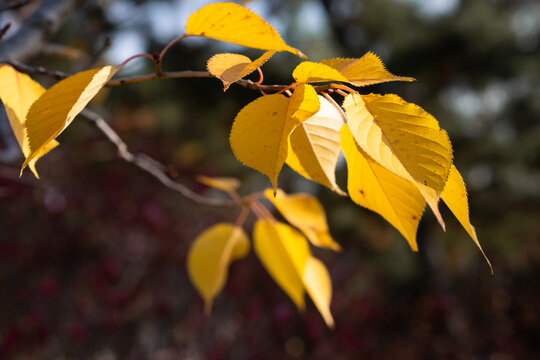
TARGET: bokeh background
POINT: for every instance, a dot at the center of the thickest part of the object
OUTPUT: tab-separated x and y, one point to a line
92	256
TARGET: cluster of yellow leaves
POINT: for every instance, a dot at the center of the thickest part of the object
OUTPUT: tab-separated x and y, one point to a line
397	156
282	249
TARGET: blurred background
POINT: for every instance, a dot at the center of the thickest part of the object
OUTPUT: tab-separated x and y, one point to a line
92	256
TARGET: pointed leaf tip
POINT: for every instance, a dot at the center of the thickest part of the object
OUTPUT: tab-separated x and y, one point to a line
455	197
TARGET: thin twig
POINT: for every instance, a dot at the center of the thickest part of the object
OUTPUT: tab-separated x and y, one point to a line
150	165
4	30
333	102
39	70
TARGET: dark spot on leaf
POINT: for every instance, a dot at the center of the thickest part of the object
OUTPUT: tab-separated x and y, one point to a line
425	182
396	141
274	113
414	217
362	192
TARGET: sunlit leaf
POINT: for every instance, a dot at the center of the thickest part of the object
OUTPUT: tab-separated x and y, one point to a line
366	70
260	132
404	139
319	287
374	187
227	184
236	24
210	256
308	72
230	68
306	213
455	197
18	92
283	251
314	146
53	111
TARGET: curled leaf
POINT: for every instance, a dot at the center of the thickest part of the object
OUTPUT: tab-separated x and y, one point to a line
210	256
236	24
18	92
314	146
53	111
230	68
227	184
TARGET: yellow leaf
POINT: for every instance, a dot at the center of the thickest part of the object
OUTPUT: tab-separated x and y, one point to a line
307	214
53	111
209	258
260	132
403	138
314	146
227	184
18	92
374	187
238	25
319	287
308	72
230	68
283	251
455	197
367	70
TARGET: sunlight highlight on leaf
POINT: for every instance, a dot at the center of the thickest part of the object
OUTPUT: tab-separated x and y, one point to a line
314	146
238	25
18	92
230	68
53	111
455	197
210	256
306	213
374	187
283	251
366	70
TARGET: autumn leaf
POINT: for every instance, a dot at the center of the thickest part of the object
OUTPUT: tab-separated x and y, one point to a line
53	111
306	213
314	146
18	92
230	68
236	24
260	132
376	188
226	184
366	70
455	197
308	72
210	256
404	139
283	251
319	288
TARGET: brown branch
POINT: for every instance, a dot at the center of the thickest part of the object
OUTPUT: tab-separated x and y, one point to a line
4	30
151	166
13	5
